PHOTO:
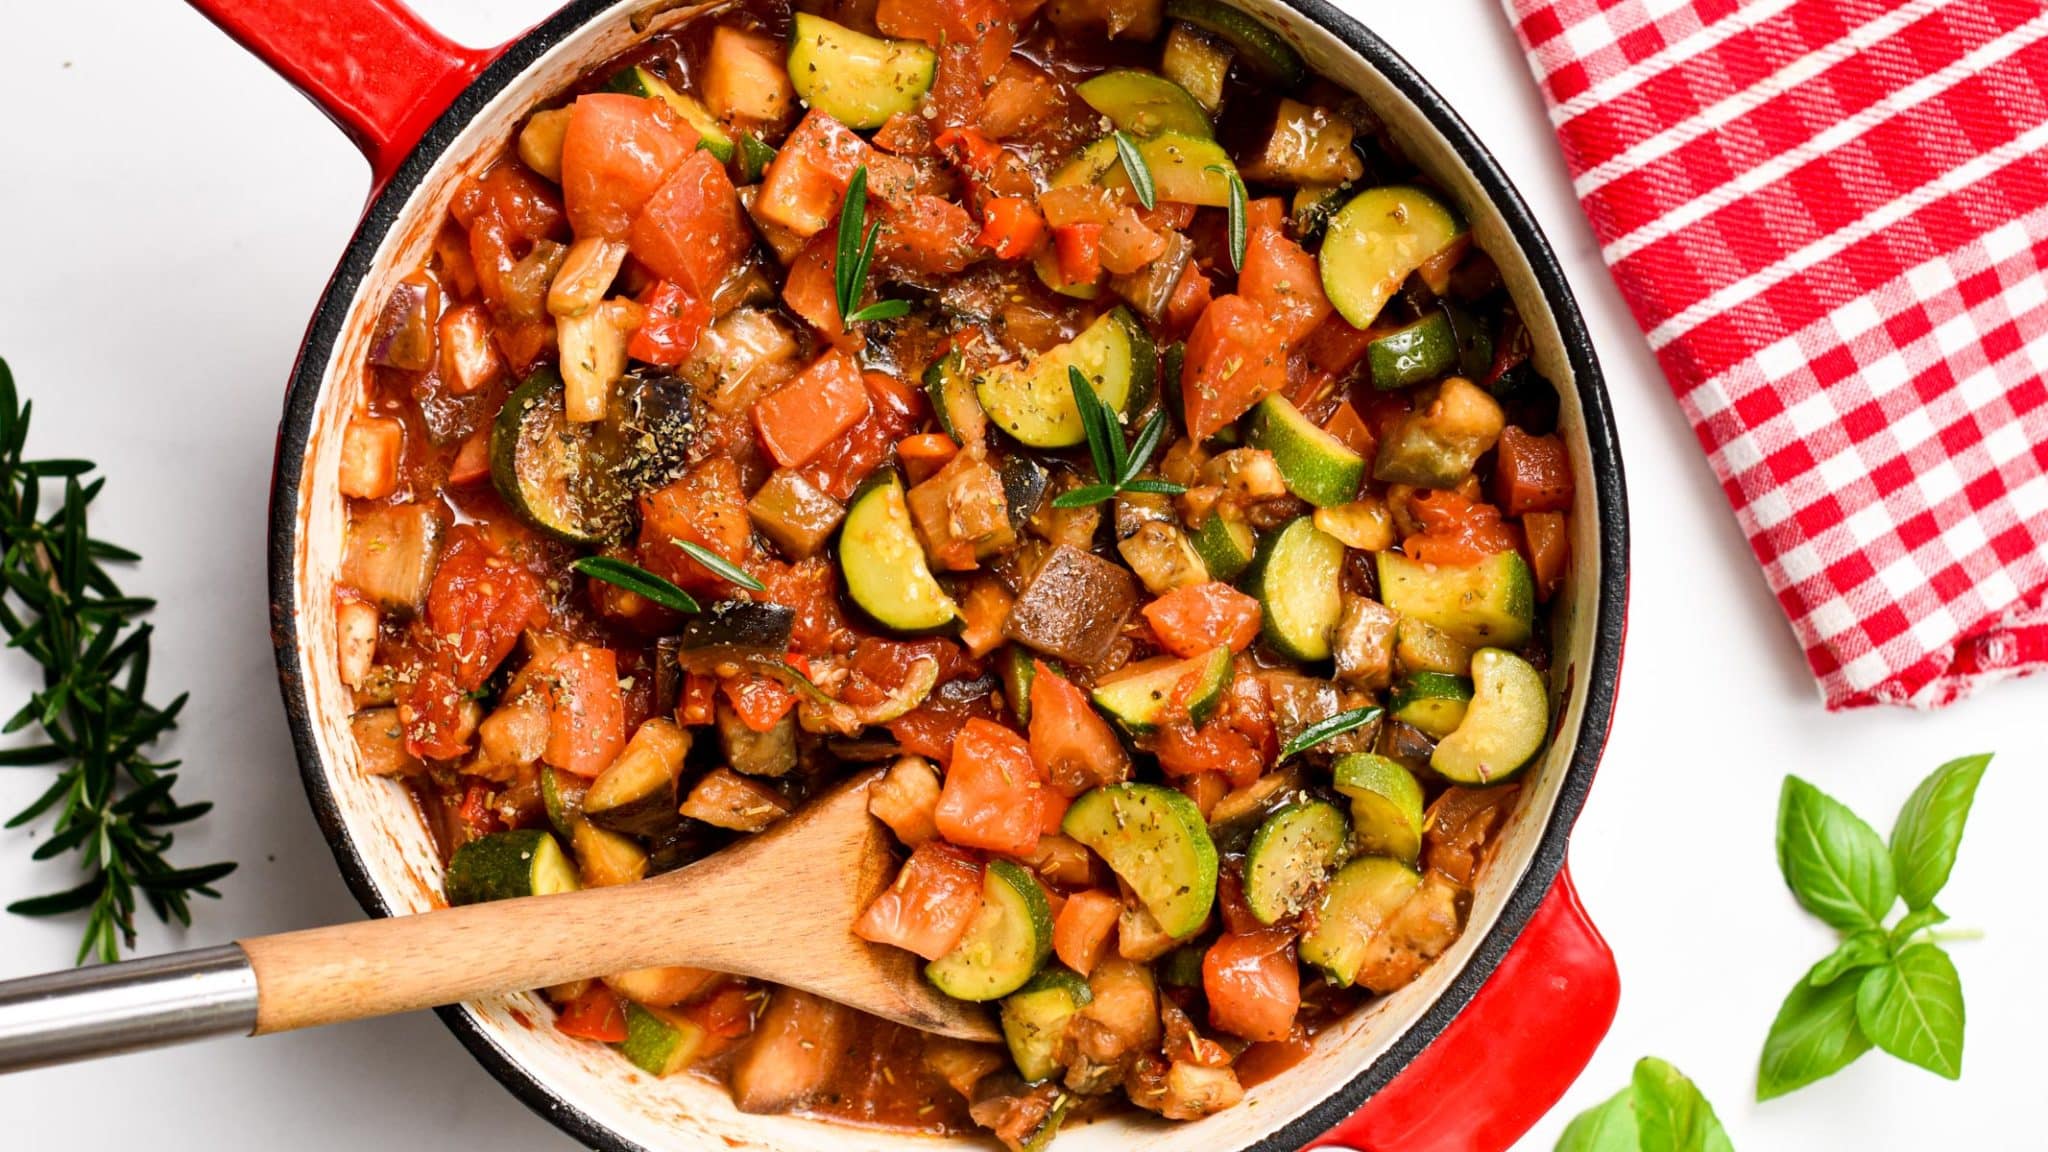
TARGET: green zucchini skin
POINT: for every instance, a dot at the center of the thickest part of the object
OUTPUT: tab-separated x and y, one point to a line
1317	466
1490	603
1226	546
1297	579
883	564
1005	945
1033	402
1138	703
1156	841
1291	855
1257	46
1503	728
1375	241
856	79
1386	805
508	865
1414	354
1034	1019
1431	701
660	1042
1358	902
1145	103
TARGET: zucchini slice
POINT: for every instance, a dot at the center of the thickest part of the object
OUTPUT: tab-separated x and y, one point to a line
1298	581
1431	701
504	865
1034	402
1006	943
884	565
1258	46
606	858
1415	354
951	392
659	1041
1376	240
1290	857
1316	465
1145	103
561	793
1492	602
1185	169
712	136
1363	895
1225	546
1035	1019
1504	727
539	466
1155	840
1138	697
1386	805
856	79
1015	668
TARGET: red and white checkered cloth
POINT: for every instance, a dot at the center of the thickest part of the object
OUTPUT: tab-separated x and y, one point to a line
1831	219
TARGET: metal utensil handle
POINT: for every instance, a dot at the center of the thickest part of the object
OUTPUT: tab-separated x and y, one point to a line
114	1008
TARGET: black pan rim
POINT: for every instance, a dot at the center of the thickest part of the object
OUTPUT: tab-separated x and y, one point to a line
1600	681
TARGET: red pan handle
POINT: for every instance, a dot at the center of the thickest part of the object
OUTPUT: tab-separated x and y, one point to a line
1509	1056
375	68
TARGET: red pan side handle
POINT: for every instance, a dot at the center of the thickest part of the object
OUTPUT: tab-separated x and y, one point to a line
375	68
1509	1056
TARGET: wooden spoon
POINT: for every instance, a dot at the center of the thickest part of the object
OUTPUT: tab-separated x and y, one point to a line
778	906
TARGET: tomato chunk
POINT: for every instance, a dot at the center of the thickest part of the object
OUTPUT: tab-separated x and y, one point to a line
692	230
811	290
801	189
1196	618
1284	282
1456	530
993	797
674	321
1253	984
598	1014
616	153
431	709
705	506
1081	932
478	605
1070	741
797	420
1011	227
1185	750
929	906
986	24
586	711
1532	473
1233	362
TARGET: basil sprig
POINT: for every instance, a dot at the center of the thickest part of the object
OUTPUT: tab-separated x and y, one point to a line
1890	988
1116	465
856	252
1659	1111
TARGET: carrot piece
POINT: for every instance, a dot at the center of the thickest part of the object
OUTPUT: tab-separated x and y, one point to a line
1081	932
798	420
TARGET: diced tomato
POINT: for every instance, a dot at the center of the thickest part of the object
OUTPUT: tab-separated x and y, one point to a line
1550	551
801	188
1078	248
727	1013
1233	362
797	420
811	289
1206	789
520	201
880	667
697	703
1082	931
894	411
1196	618
1456	530
929	906
993	795
525	345
929	730
598	1014
957	87
693	230
925	235
674	320
969	149
472	463
985	24
586	711
924	454
430	710
1230	903
478	605
1460	824
1189	300
1253	984
1283	281
1185	750
1248	709
1070	741
1012	227
1267	212
705	506
1128	244
1336	347
616	153
759	702
1349	428
1531	473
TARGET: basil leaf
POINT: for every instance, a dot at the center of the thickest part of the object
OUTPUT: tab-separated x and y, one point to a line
1608	1127
1930	829
1865	949
1134	167
721	567
1913	923
1671	1114
1814	1036
1329	728
1835	864
1913	1009
637	580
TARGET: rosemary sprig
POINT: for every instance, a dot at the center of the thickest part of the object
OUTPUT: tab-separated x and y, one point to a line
721	567
1116	466
1136	168
635	579
59	605
856	251
1237	226
1329	728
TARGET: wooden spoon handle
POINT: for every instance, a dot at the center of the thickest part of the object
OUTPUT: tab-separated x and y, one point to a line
401	963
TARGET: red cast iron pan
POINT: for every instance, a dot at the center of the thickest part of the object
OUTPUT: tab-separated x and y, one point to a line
1518	1024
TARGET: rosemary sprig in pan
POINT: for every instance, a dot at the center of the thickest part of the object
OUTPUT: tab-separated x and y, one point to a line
112	803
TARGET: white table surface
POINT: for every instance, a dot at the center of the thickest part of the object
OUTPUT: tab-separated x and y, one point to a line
169	211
